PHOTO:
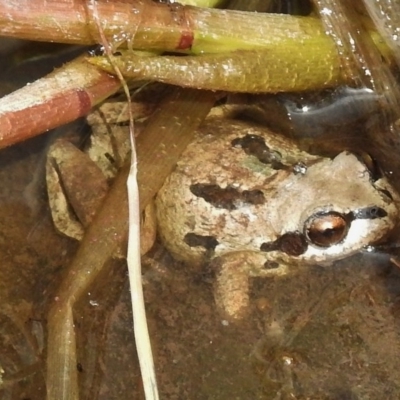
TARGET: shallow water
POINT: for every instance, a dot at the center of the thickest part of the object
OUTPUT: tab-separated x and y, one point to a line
320	333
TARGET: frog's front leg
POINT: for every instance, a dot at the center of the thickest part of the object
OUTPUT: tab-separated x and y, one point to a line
231	290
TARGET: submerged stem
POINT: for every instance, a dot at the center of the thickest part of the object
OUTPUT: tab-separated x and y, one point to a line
159	148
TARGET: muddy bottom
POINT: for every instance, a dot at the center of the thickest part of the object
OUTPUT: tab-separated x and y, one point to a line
321	333
32	256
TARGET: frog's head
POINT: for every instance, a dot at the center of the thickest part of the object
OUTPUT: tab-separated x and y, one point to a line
336	208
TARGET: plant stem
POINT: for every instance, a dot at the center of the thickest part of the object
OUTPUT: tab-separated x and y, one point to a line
143	24
293	67
62	96
175	123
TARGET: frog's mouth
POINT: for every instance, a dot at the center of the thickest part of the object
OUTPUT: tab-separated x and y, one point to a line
323	230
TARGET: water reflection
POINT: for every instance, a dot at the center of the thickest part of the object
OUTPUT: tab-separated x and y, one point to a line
332	111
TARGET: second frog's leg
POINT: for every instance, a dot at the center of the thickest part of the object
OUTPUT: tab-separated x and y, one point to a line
76	187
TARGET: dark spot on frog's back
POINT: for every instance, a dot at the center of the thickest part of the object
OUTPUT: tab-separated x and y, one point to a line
255	145
228	198
292	243
208	242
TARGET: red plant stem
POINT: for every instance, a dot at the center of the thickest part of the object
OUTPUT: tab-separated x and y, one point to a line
72	21
62	96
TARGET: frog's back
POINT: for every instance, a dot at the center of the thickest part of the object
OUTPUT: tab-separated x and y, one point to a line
211	203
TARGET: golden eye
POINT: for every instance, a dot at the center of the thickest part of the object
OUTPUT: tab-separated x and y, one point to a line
326	229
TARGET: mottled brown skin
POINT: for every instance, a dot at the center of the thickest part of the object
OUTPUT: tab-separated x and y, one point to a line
238	197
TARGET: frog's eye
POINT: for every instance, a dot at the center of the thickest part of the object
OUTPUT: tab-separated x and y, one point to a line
326	229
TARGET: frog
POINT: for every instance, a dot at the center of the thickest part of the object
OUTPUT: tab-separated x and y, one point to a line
250	203
78	179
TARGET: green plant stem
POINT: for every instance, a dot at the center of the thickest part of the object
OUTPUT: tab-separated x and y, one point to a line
311	66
